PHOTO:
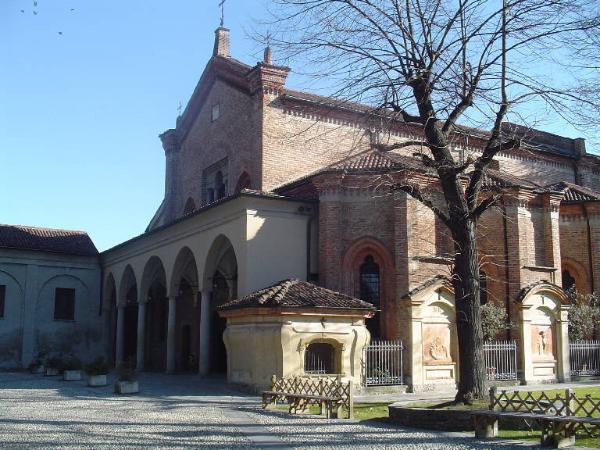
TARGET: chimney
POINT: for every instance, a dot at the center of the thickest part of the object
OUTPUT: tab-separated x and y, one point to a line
579	147
268	59
221	42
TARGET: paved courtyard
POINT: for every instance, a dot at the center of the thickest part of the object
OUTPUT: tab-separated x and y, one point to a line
184	412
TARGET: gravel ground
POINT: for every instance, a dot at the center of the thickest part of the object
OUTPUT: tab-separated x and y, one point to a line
182	412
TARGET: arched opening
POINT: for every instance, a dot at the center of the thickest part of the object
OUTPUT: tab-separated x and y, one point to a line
154	295
187	318
575	276
128	298
320	358
221	274
370	291
243	182
190	206
568	280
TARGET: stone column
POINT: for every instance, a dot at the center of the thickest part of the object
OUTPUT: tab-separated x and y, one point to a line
562	341
416	354
204	357
120	334
141	334
526	356
171	335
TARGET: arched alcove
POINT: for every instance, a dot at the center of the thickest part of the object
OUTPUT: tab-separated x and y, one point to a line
544	338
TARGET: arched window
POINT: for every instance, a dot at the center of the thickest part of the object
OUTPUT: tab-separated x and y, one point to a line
190	206
483	288
369	281
319	358
219	185
370	291
243	182
568	281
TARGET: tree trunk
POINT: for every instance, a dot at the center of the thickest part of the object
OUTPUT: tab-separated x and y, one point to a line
471	373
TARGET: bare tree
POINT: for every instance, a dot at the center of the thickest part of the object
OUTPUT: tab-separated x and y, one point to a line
438	63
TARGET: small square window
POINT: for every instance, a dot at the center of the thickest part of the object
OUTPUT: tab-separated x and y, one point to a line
64	304
215	112
2	297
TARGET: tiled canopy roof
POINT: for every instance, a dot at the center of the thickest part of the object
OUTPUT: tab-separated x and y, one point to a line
573	192
293	293
496	178
46	240
375	161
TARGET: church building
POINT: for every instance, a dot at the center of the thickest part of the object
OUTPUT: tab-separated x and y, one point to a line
264	183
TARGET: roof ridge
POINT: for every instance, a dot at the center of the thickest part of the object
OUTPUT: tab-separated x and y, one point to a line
34	227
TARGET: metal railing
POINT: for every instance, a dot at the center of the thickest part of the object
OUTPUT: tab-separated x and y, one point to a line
318	359
383	363
585	358
500	360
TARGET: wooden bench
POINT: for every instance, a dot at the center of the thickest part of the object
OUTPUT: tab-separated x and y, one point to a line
330	394
559	417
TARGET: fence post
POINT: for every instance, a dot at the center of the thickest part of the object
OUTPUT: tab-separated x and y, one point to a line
492	396
568	402
350	400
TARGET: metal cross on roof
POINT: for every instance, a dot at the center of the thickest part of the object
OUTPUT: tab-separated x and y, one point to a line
222	5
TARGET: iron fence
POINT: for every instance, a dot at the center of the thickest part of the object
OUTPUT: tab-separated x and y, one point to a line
585	358
383	363
500	360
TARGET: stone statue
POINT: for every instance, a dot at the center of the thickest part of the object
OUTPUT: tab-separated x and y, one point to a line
438	350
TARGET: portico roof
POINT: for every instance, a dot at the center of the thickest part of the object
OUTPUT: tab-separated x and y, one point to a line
292	293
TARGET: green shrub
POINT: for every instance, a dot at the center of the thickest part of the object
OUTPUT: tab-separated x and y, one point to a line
97	367
126	371
584	315
494	320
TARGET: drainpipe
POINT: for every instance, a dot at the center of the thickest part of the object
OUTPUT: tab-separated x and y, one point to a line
589	245
309	244
506	271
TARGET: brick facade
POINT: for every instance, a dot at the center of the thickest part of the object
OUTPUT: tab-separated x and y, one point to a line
286	141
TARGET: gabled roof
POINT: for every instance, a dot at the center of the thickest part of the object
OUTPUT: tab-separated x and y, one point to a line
573	192
294	293
69	242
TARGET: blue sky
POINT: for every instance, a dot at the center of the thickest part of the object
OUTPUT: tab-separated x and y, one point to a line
81	111
86	87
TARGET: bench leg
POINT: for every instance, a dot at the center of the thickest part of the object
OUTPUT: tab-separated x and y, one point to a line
557	435
485	427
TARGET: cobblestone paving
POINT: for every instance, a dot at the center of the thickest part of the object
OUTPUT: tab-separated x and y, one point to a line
183	412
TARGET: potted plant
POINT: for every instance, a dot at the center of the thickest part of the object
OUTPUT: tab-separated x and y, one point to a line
97	371
127	382
53	366
72	368
37	365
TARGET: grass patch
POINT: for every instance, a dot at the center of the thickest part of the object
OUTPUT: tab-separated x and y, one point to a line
528	435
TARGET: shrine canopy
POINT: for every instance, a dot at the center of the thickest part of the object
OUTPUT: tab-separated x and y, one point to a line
294	328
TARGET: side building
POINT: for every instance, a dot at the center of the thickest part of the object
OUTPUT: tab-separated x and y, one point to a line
49	295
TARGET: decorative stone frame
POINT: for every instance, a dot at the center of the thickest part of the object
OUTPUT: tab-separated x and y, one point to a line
351	262
543	307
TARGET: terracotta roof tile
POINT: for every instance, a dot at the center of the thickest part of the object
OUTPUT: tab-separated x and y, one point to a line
573	192
46	240
294	293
